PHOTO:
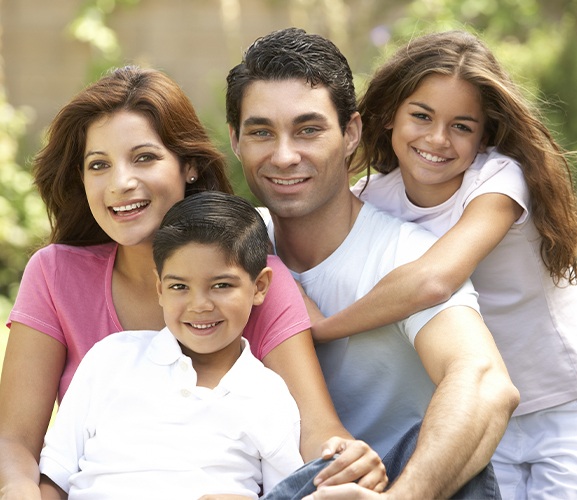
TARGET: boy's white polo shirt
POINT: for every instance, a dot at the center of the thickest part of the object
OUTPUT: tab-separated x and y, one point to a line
135	425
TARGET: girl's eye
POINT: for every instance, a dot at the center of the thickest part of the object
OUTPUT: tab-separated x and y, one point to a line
463	127
177	286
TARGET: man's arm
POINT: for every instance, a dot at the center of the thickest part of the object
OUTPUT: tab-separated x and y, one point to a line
470	408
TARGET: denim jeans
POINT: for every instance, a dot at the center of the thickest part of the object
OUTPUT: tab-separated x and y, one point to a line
300	483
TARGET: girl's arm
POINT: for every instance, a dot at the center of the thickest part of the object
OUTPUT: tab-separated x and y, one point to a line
31	373
432	278
322	433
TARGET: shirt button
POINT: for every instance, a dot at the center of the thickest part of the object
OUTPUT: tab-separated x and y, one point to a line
183	365
185	393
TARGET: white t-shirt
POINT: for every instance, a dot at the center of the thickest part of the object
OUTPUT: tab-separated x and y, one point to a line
376	379
533	322
134	424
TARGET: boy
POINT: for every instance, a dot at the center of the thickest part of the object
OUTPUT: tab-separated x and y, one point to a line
186	411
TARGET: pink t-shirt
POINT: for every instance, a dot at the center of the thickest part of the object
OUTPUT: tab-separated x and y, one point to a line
66	292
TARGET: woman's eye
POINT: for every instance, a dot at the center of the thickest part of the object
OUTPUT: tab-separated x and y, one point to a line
145	157
420	116
97	165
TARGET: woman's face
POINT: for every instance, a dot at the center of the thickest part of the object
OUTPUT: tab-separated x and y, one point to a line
131	179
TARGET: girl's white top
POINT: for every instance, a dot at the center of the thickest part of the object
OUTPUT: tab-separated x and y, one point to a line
534	322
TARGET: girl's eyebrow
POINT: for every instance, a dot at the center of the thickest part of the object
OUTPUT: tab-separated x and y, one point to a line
428	108
139	146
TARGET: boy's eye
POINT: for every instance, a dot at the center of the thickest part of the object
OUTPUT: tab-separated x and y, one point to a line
177	286
221	285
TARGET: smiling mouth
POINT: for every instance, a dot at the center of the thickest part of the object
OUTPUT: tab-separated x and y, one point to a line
127	209
287	182
204	326
430	157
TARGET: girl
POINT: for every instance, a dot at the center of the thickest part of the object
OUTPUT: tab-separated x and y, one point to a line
478	168
118	156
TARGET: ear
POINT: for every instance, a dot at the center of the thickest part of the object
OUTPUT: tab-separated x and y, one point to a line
261	286
191	171
233	140
483	144
353	133
158	288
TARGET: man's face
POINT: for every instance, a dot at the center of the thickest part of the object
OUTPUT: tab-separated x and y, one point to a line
292	148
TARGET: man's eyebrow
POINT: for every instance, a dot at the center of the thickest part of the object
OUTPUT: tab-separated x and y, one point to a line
431	110
310	117
256	120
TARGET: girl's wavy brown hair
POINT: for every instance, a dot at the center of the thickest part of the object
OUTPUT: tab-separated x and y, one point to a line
513	125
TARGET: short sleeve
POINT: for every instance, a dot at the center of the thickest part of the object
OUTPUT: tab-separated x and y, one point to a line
281	315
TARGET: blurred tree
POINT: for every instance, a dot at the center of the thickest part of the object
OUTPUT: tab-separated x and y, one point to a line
22	216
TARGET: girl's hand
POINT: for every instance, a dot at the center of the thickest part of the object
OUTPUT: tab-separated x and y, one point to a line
356	462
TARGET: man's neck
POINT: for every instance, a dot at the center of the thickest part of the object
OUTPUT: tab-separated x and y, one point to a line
304	242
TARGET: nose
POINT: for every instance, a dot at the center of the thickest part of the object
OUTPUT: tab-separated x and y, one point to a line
124	178
285	153
199	302
438	136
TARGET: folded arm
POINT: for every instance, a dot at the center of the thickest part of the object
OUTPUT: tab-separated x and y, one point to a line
470	408
432	278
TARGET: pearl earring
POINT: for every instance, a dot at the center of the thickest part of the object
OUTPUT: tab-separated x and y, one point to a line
192	179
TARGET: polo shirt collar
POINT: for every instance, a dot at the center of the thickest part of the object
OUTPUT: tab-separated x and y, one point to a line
164	349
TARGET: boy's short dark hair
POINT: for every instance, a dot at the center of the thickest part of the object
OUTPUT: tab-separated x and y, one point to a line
215	218
292	53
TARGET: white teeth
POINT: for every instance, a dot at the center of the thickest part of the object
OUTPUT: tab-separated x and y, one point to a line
287	182
430	157
132	206
204	326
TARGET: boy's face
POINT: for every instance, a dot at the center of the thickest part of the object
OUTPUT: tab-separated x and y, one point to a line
292	149
207	301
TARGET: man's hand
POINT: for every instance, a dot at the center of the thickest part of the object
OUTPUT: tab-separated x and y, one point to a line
356	462
343	492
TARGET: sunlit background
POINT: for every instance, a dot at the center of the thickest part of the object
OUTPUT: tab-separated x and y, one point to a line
50	50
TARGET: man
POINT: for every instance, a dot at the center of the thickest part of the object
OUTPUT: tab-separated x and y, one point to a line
293	124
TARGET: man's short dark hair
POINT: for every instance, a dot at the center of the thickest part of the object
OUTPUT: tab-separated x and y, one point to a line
287	54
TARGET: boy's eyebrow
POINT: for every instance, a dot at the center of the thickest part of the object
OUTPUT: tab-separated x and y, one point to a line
431	110
225	276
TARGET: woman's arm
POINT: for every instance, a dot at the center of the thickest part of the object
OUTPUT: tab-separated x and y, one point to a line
49	490
322	433
31	373
432	278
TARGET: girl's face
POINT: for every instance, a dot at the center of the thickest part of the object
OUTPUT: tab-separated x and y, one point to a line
436	134
130	178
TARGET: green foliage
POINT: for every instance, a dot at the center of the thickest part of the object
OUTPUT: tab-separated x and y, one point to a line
22	216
